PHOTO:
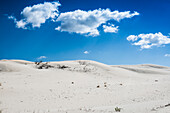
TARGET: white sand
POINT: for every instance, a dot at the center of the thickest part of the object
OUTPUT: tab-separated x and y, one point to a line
133	88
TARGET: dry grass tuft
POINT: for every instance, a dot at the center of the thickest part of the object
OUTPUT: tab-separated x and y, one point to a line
117	109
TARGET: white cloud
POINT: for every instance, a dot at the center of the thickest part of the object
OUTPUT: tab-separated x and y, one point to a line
132	38
111	28
86	52
167	55
12	17
146	41
41	57
21	24
37	14
78	21
87	22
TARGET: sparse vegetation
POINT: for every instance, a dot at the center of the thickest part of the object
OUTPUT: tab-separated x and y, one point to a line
117	109
62	66
0	84
82	62
41	65
38	62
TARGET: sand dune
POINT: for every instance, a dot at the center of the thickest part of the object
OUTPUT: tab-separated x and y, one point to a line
83	86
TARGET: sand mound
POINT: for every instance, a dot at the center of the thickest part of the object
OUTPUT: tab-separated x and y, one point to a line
145	68
137	70
154	66
14	65
8	67
84	66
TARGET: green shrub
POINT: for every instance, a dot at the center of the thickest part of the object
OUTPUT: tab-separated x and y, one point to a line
117	109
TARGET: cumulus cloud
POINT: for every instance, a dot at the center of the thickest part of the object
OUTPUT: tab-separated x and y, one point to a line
87	22
167	55
86	52
146	41
78	21
41	57
37	14
110	29
19	24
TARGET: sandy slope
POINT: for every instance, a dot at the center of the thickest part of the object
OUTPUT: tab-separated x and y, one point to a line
86	86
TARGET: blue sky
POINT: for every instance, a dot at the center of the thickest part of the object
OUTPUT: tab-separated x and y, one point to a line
134	39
